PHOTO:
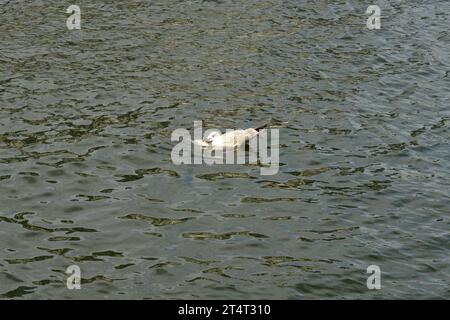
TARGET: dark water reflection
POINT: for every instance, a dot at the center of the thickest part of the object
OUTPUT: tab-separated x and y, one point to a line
86	176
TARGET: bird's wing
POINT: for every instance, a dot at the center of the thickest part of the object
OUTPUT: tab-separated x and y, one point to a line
250	133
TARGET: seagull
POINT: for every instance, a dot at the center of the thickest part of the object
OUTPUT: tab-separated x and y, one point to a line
230	139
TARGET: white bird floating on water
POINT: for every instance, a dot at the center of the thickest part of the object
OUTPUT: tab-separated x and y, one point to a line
230	139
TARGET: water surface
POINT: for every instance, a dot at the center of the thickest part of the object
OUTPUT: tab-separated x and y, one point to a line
86	176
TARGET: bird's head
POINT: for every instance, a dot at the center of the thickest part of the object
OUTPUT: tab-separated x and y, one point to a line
212	136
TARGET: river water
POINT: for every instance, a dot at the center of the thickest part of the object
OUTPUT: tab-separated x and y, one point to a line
86	176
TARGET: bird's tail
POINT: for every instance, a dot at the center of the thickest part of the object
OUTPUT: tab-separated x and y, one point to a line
264	126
